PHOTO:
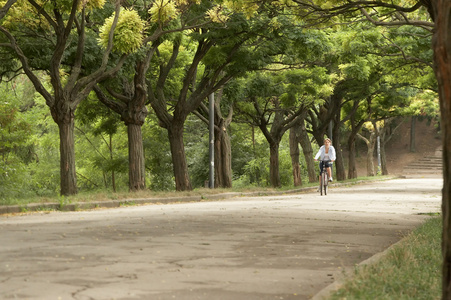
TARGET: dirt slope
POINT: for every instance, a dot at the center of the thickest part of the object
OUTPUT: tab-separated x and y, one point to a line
398	148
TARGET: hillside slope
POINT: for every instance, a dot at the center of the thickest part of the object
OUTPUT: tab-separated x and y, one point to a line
398	148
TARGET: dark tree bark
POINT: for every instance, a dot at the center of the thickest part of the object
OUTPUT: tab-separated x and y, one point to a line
294	154
352	170
384	170
440	11
274	172
182	181
136	168
67	155
223	158
340	171
273	137
383	141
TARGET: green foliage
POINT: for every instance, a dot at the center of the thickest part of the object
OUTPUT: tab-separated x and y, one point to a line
102	152
302	66
174	82
250	158
29	163
158	156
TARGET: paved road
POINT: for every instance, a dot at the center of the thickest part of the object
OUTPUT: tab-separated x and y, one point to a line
275	247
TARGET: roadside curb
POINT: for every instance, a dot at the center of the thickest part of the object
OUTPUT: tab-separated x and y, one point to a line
135	201
66	207
327	292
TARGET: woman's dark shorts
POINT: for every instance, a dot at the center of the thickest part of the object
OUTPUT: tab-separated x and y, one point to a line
327	163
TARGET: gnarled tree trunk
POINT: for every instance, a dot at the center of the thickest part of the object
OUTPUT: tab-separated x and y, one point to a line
175	133
370	144
68	177
294	153
274	175
136	170
440	11
223	158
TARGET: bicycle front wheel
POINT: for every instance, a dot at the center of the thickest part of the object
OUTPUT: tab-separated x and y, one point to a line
325	184
321	183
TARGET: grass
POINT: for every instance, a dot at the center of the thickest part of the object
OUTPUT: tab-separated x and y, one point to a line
410	270
86	197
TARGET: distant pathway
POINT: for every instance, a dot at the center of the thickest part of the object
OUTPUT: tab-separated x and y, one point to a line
275	247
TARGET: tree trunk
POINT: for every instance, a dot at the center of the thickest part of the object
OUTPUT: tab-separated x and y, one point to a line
274	175
340	172
384	169
352	171
355	128
182	182
370	144
294	153
370	155
223	159
68	176
441	13
412	133
136	170
306	145
113	174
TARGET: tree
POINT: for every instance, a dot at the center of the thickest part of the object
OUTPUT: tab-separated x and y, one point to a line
299	135
221	52
127	94
61	31
440	12
275	107
370	143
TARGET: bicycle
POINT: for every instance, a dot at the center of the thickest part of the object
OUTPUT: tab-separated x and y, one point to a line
323	177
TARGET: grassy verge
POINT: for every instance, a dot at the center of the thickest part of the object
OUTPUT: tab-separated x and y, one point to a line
123	195
410	270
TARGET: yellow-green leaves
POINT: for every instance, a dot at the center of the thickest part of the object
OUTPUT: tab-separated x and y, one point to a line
162	11
128	33
91	4
217	15
186	2
248	7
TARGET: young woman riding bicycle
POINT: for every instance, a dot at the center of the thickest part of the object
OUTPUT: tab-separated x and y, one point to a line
327	154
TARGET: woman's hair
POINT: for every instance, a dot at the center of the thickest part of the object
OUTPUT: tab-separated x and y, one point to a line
327	139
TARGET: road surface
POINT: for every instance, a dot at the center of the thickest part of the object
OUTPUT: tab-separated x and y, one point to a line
274	247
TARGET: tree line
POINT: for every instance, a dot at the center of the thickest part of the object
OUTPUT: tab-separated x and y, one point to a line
268	66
